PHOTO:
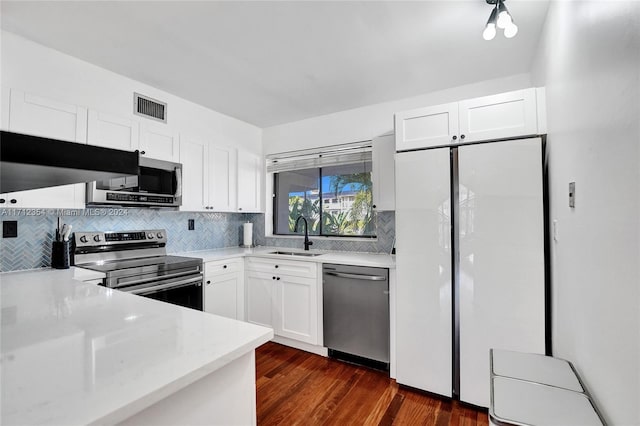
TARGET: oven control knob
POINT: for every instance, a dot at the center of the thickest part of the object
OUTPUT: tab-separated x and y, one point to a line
97	238
159	235
83	239
150	235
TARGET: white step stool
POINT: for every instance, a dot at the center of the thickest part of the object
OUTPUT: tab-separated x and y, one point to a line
532	389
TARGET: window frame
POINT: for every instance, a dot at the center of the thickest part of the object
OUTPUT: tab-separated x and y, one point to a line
274	210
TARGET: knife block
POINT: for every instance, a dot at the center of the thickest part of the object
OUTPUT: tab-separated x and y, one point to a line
61	255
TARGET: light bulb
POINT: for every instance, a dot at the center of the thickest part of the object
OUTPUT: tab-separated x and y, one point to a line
504	18
489	32
511	30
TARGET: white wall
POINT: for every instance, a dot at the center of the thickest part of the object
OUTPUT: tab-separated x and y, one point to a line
589	61
37	69
374	120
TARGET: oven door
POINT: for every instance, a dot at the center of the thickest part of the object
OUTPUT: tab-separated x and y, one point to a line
183	291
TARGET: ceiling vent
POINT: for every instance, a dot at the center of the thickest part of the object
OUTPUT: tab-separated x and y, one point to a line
150	108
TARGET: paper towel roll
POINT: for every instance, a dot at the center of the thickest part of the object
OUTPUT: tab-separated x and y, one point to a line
247	237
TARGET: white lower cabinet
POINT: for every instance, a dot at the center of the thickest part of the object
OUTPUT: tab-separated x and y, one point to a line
288	303
260	297
296	308
224	288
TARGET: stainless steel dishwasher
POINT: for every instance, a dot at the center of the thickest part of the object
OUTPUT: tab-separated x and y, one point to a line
356	314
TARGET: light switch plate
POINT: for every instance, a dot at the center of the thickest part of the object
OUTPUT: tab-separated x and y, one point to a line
572	194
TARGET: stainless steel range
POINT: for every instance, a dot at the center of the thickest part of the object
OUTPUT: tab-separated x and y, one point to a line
137	262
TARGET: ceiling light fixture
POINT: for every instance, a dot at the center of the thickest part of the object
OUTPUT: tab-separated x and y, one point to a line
500	18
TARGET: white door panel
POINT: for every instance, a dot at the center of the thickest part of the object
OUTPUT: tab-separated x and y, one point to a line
194	155
499	116
260	295
296	308
384	173
501	257
220	295
427	127
111	131
40	116
249	182
423	232
159	142
222	178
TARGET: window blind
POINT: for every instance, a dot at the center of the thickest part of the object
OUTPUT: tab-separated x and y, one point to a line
334	155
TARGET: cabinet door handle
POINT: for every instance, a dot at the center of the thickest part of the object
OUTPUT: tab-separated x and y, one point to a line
142	152
13	201
278	279
461	136
224	266
273	278
374	206
454	137
208	282
276	266
239	208
2	201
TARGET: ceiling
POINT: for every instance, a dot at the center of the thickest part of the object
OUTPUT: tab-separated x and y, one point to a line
273	62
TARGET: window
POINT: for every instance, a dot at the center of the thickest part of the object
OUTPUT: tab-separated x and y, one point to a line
334	198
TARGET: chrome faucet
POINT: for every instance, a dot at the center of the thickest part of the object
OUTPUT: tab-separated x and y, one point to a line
307	243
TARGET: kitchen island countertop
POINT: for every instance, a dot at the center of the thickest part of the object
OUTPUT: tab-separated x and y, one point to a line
77	353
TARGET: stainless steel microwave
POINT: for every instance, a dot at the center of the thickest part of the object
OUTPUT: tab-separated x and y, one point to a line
157	184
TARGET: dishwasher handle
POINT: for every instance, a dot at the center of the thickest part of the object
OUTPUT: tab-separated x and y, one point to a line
358	276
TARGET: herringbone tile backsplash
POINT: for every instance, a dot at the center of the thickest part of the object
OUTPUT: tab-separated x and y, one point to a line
32	248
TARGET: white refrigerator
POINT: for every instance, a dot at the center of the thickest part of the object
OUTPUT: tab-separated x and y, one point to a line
470	261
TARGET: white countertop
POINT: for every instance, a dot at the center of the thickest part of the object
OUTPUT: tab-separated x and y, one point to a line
76	353
340	257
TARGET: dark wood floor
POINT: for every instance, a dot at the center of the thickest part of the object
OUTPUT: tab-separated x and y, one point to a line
296	387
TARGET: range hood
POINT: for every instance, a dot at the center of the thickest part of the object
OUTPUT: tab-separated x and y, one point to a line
31	162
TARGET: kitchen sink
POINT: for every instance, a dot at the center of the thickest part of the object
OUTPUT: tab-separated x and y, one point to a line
296	253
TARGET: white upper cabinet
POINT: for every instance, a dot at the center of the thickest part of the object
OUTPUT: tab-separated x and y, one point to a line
506	115
39	116
383	173
499	116
222	178
249	172
111	131
426	127
194	155
159	141
218	178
